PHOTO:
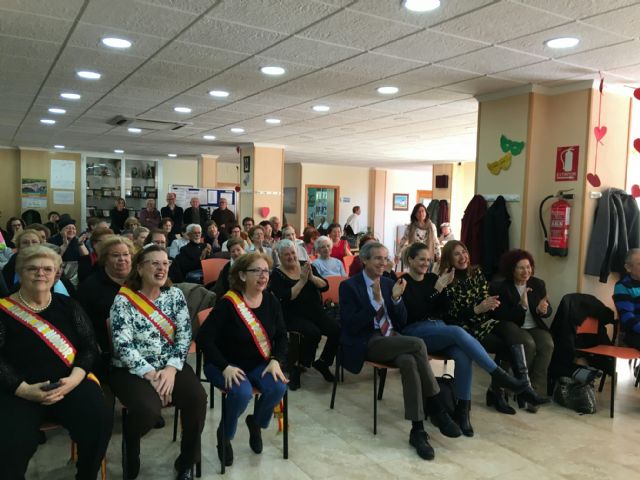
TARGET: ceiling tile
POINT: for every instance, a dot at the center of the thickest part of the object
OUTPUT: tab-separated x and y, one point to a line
432	76
194	55
491	60
375	66
37	27
65	9
24	47
189	6
625	21
607	58
577	9
480	85
309	52
544	71
88	36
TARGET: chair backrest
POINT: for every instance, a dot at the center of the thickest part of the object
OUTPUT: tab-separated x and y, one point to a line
348	260
202	315
334	288
211	268
589	325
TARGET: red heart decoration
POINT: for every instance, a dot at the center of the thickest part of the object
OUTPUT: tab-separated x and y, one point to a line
593	179
264	211
636	144
636	93
635	191
600	132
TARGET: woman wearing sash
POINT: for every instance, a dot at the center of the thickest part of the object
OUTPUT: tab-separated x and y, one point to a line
47	348
244	341
151	333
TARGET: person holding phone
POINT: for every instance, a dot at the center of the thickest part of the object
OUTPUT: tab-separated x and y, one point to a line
47	351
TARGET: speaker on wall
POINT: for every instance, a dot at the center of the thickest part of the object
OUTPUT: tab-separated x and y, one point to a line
442	181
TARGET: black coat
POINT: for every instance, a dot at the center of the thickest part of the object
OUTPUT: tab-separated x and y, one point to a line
510	309
495	236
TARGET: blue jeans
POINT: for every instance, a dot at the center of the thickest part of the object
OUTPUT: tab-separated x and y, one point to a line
456	343
239	396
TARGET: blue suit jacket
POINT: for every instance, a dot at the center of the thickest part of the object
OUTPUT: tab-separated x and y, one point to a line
357	316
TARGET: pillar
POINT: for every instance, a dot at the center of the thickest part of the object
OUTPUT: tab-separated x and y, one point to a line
207	171
261	182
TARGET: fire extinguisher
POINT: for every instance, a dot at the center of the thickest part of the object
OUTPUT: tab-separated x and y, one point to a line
556	242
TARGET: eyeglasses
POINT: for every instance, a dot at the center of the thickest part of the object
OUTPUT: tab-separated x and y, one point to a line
32	270
157	265
260	272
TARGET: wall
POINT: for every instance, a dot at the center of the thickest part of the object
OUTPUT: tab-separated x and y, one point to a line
228	173
177	172
268	180
377	193
353	183
402	181
292	173
10	178
463	183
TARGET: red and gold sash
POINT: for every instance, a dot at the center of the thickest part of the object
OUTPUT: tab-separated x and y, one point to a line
49	334
256	329
148	309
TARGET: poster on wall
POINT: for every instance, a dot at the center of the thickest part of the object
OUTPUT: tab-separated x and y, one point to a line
567	163
63	174
34	193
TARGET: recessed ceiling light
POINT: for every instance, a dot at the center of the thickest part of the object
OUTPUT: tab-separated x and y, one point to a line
172	155
117	150
134	130
421	5
209	137
219	93
59	147
88	75
562	42
321	108
57	111
387	90
115	42
182	109
47	121
273	121
272	70
70	96
237	130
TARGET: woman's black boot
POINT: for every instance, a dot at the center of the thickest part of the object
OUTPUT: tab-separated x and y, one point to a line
463	417
496	398
519	365
501	379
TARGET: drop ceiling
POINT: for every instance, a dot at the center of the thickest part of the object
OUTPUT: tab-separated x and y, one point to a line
335	52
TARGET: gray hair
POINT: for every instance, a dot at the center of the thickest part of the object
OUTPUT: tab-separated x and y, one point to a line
366	250
191	227
630	254
284	244
319	240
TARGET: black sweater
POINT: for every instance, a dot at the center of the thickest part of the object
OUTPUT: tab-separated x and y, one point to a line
307	304
421	299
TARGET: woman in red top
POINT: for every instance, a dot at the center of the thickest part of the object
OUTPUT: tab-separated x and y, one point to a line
340	245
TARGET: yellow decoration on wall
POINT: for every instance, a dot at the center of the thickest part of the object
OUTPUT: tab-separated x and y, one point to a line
503	163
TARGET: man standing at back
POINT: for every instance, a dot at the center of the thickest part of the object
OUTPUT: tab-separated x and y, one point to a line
373	313
174	212
223	217
626	295
195	213
352	226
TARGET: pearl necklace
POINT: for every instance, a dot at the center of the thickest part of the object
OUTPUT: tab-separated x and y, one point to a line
31	307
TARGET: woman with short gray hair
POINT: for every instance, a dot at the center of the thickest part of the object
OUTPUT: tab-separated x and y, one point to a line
327	265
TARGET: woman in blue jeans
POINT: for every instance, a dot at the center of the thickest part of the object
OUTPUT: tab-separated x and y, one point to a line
424	297
244	341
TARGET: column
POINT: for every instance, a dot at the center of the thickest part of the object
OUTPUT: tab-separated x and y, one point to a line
261	182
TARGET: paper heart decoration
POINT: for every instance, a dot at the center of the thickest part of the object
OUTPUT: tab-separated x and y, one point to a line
636	144
600	132
636	93
264	211
593	179
635	191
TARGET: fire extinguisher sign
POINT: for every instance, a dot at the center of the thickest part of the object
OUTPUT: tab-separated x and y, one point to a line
567	163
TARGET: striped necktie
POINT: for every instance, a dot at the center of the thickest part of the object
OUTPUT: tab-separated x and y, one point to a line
383	322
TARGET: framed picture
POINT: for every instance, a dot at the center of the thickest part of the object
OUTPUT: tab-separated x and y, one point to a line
246	164
400	201
107	192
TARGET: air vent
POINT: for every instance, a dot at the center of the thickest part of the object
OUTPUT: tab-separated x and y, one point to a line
145	123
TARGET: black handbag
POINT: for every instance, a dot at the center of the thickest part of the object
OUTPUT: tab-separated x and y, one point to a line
575	395
447	393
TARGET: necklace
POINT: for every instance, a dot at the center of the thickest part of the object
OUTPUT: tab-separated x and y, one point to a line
31	307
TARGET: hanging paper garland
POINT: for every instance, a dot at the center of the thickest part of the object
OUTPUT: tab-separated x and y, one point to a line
599	132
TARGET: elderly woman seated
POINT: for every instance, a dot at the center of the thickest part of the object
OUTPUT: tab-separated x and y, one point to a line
189	260
289	233
298	287
236	250
47	350
325	264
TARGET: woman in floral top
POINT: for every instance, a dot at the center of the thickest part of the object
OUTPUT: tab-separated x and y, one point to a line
151	333
470	306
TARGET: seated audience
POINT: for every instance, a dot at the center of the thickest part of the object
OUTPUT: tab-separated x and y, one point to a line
71	246
470	306
212	236
168	226
189	260
45	377
236	359
236	250
523	301
372	312
325	264
88	263
267	228
298	288
289	233
42	230
340	248
130	224
149	359
276	224
150	216
52	222
309	236
14	226
235	232
118	215
248	223
446	233
258	244
626	296
424	298
139	236
157	237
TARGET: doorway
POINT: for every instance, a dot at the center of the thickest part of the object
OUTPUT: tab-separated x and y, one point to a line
322	205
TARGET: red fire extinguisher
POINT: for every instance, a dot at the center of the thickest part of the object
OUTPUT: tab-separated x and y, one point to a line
556	243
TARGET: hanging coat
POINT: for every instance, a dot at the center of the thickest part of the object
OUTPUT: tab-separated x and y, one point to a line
471	234
495	236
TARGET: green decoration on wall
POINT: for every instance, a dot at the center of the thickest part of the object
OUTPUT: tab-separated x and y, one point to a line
511	146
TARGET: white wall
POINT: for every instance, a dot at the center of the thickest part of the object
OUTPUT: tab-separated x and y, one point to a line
227	172
177	172
402	181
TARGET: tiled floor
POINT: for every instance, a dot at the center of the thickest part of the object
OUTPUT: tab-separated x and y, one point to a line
555	443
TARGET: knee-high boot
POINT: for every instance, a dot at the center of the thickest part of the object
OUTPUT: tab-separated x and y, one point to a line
519	364
463	417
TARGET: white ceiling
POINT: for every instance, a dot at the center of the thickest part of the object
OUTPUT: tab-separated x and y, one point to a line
335	52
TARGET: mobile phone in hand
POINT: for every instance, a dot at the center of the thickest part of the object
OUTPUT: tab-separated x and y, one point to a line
50	386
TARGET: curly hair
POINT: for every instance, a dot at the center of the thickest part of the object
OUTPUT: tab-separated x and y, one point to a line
510	259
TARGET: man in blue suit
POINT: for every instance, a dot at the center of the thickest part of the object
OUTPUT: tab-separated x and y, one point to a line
372	314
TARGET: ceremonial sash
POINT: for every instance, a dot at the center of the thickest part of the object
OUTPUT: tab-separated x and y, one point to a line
49	334
148	309
256	329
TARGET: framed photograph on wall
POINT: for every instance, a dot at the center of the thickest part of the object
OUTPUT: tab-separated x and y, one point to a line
400	201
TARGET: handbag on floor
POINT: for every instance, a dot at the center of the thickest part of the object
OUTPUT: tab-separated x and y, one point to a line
447	393
575	395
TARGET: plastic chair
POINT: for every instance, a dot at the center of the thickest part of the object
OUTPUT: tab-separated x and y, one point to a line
202	316
348	260
611	352
334	286
211	268
48	426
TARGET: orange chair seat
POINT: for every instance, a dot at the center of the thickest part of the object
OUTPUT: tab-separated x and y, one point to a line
625	353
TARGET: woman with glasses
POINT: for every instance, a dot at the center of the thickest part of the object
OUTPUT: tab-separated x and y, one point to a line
151	334
244	341
14	226
47	351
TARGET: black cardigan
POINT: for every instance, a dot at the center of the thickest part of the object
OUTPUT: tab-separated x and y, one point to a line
510	309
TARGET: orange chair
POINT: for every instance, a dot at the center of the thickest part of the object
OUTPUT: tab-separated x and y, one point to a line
348	260
334	286
211	268
202	316
611	352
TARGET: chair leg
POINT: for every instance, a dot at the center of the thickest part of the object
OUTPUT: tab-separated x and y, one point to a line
74	452
383	380
176	417
211	395
199	469
285	426
375	401
602	380
224	434
335	382
103	469
614	379
125	473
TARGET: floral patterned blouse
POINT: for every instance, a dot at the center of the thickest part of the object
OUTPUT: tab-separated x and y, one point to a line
462	296
137	343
